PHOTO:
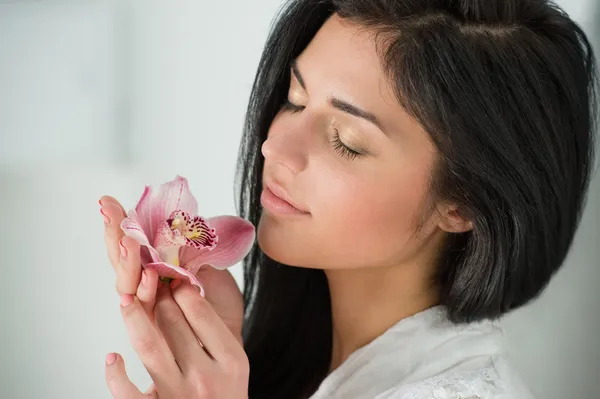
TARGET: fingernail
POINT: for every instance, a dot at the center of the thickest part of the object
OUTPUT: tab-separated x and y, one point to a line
175	284
111	358
123	249
144	277
100	202
126	300
106	218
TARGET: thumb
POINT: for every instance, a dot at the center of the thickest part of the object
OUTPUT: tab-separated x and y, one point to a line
117	380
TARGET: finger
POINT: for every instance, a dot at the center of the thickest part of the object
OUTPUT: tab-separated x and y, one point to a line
129	269
118	382
177	332
112	230
146	291
150	347
151	392
216	337
105	199
228	301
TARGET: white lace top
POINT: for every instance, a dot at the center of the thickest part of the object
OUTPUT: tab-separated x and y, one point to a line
427	357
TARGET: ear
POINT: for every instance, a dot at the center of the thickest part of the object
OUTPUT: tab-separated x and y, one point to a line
451	220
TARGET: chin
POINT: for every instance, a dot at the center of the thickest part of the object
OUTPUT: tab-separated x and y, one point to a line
284	243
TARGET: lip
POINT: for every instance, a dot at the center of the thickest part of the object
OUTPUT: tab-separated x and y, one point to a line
275	199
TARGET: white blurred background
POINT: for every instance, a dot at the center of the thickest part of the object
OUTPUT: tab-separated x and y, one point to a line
103	97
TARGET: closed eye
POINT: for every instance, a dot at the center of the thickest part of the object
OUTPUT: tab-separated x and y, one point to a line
289	106
341	148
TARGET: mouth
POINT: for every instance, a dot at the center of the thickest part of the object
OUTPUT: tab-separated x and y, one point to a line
274	198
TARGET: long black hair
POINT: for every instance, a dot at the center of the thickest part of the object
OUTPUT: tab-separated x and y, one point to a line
506	90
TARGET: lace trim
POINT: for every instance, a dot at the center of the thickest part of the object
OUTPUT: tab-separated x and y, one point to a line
476	384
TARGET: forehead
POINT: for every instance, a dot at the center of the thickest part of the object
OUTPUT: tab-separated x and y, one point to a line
342	60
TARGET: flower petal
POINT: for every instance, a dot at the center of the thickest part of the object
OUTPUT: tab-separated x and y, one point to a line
167	243
236	236
155	207
144	212
132	228
175	196
192	258
167	270
165	236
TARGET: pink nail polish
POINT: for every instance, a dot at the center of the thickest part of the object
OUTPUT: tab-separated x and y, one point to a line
144	277
111	358
106	218
126	300
175	284
123	249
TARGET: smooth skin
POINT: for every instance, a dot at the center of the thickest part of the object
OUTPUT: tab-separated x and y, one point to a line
191	346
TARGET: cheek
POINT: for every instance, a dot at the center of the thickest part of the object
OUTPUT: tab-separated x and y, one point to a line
369	221
355	222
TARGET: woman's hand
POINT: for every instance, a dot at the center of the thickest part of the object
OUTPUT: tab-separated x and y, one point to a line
189	352
222	291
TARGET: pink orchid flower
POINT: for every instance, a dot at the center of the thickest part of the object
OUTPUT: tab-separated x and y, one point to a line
178	241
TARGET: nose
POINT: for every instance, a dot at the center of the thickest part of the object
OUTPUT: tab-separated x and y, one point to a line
287	146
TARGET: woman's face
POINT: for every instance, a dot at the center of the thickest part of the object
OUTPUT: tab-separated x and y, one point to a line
348	154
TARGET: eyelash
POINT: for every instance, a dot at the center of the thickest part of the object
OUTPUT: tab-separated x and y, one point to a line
337	144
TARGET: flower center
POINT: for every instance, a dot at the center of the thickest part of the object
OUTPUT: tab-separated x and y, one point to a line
193	230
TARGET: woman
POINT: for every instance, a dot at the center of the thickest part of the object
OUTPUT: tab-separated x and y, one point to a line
416	169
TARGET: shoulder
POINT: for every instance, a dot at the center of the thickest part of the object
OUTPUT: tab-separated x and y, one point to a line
483	383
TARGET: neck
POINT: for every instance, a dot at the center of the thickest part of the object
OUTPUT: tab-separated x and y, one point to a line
366	302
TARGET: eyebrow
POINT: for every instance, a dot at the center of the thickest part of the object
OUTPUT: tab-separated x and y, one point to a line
341	104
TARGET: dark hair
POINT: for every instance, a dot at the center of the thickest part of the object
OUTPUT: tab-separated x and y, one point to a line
506	90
